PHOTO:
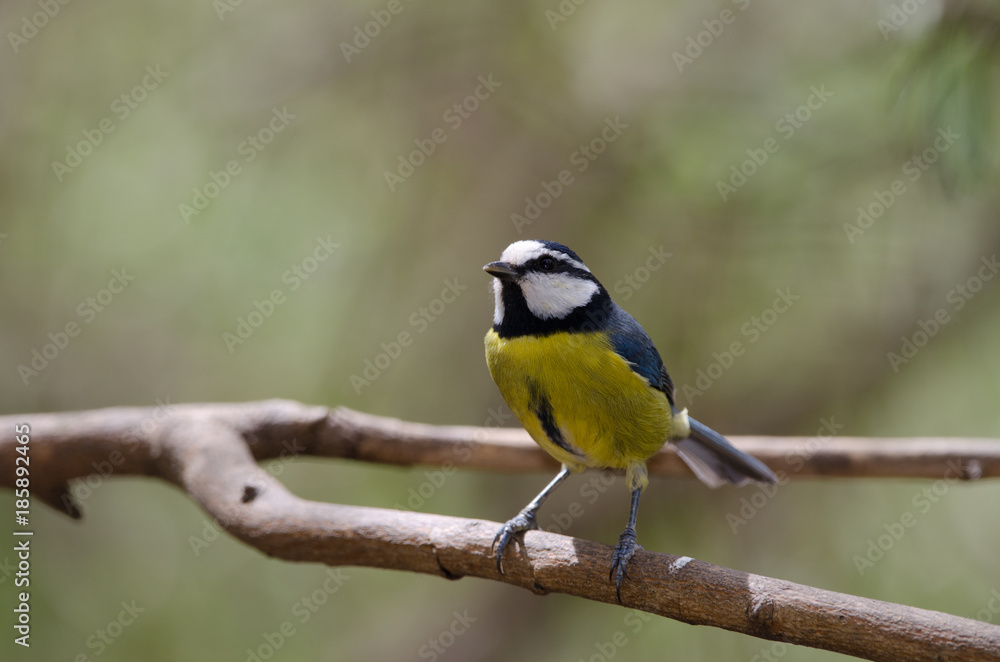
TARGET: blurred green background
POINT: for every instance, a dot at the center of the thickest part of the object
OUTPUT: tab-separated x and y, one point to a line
115	115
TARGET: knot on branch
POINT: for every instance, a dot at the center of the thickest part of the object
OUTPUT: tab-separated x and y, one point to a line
971	469
760	615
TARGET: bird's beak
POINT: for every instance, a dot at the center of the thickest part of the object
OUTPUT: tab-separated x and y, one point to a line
501	270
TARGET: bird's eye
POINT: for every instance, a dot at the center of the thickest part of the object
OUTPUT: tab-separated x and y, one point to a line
547	264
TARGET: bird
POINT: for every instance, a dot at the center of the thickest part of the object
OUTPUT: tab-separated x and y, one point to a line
587	383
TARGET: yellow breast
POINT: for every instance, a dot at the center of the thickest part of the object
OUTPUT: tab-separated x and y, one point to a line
607	414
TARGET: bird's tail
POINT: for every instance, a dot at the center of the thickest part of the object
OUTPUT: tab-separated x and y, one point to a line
716	462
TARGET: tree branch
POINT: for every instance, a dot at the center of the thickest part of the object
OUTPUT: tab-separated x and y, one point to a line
211	451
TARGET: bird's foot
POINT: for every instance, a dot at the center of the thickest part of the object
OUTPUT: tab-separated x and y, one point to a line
624	551
524	521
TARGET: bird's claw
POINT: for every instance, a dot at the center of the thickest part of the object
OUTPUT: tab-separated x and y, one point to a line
624	551
519	524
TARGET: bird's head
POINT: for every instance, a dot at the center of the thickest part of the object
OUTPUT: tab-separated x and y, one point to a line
542	285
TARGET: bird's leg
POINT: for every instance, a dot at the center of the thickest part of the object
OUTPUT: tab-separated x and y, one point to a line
626	547
525	519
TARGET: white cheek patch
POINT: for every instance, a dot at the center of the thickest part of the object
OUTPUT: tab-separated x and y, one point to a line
522	252
498	302
554	296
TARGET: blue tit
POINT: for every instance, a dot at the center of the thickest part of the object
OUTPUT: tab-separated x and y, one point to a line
588	385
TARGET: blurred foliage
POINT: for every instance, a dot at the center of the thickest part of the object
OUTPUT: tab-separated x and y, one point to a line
950	80
228	68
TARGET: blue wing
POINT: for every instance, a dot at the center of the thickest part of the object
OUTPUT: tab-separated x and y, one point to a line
633	344
712	458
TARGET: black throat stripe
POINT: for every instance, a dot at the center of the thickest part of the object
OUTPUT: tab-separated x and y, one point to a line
542	408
